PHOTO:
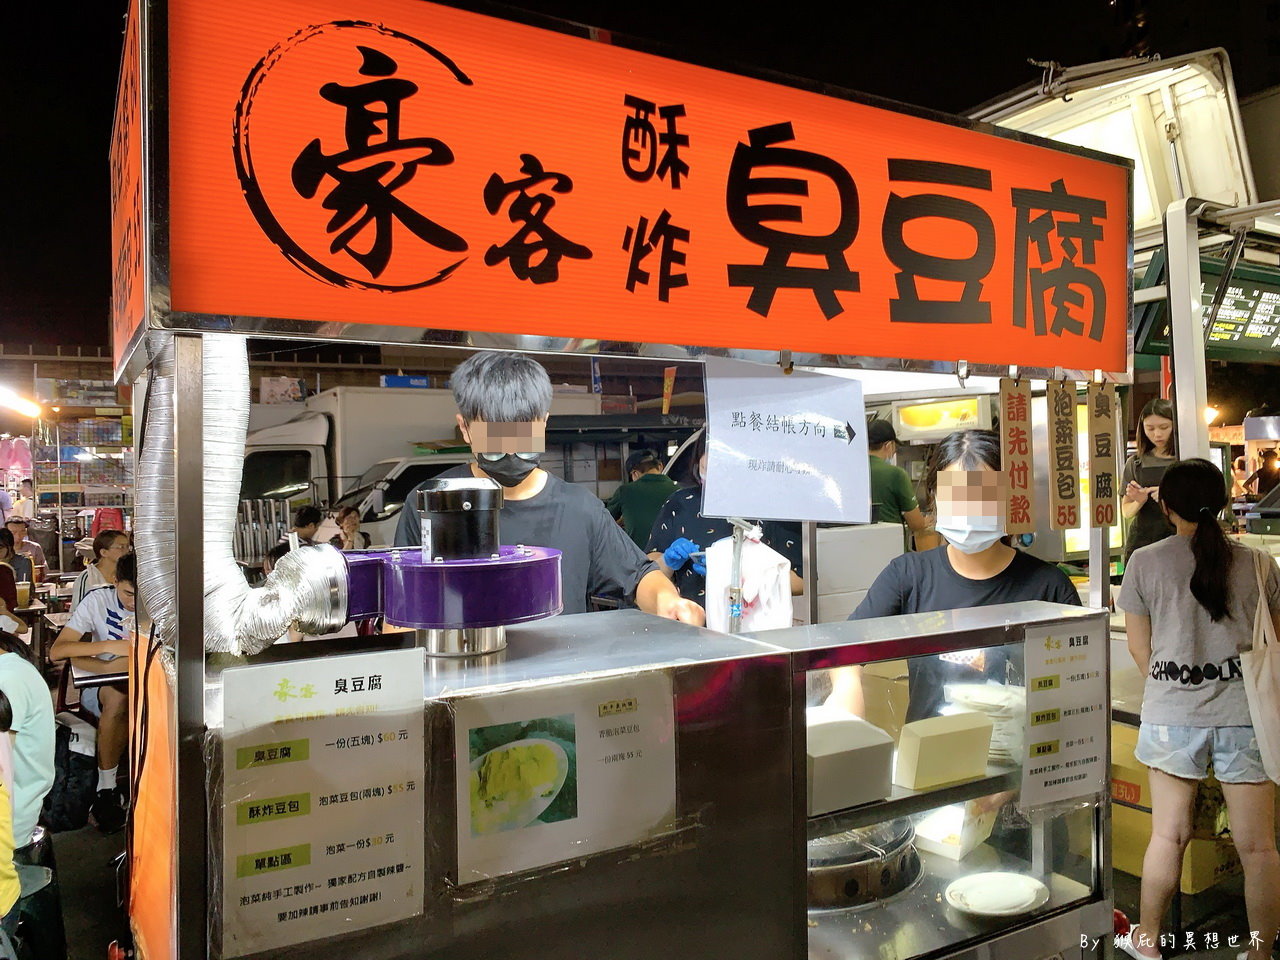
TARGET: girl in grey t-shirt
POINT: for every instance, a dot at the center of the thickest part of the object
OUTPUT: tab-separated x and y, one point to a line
1189	604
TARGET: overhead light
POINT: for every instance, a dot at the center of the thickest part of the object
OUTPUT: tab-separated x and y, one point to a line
1210	414
22	405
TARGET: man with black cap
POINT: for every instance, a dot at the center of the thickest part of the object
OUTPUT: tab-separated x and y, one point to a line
892	498
637	503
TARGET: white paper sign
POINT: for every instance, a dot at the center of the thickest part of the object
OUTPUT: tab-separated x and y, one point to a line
550	775
785	446
1067	703
323	798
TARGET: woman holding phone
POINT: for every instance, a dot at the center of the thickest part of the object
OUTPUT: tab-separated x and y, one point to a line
1157	451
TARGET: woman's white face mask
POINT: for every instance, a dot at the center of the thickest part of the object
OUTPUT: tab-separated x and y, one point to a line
971	508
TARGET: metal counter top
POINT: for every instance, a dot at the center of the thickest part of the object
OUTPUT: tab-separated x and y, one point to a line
886	638
587	645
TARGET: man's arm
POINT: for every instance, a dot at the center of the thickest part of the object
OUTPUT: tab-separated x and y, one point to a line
614	504
656	594
71	646
916	520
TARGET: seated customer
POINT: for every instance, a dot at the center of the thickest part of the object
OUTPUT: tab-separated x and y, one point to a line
33	724
108	547
306	522
28	548
108	616
9	619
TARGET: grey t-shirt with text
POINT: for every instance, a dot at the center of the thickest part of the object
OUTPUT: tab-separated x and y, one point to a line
1195	678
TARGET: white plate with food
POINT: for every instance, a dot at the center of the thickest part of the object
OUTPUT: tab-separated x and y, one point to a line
997	894
512	785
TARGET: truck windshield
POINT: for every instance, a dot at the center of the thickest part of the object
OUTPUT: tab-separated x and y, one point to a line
275	474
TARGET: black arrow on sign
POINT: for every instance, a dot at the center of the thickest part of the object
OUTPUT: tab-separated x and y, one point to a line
849	426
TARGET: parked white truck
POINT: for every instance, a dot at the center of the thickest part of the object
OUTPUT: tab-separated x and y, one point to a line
355	446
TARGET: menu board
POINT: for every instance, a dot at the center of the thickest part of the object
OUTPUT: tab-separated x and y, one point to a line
1248	322
1104	447
554	774
1067	713
1015	454
322	798
1064	468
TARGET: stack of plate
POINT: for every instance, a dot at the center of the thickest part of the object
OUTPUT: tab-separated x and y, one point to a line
1007	708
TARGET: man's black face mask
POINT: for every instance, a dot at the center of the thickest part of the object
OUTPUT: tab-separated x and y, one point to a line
508	469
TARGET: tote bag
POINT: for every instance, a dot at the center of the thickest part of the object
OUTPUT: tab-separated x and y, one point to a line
1261	667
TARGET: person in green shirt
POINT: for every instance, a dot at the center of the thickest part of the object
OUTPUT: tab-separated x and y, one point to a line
892	499
637	503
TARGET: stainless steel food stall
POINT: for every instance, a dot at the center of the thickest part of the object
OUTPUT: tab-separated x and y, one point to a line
703	849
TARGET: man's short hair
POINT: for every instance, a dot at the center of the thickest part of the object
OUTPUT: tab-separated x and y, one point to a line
306	516
501	387
127	569
880	432
644	461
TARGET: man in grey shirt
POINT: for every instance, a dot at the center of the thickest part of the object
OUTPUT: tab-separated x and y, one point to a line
512	391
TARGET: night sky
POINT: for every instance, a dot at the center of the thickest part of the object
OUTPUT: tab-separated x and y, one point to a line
60	67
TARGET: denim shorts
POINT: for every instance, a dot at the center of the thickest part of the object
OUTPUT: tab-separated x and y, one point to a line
1187	751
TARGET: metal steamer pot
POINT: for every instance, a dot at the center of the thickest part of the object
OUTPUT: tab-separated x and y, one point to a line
859	867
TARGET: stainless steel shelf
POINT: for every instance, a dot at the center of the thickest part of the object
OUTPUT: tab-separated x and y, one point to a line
919	921
904	803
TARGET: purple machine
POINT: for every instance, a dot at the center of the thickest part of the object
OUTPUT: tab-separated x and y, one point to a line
461	589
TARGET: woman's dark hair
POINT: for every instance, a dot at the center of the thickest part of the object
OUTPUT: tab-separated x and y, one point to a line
11	644
1196	491
6	713
972	449
7	541
344	513
104	541
1156	408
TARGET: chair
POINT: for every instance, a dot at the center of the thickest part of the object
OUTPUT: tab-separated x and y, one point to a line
68	698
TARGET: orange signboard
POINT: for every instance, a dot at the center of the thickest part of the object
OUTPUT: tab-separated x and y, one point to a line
398	162
128	291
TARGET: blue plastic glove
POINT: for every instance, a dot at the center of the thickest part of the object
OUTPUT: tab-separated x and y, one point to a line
681	552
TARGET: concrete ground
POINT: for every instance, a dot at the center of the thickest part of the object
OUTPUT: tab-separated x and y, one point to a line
87	879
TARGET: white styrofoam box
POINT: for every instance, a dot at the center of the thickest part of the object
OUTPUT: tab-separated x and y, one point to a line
942	750
850	558
849	760
956	830
834	607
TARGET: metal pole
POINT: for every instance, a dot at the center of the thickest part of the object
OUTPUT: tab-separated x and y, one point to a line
191	817
809	557
1186	328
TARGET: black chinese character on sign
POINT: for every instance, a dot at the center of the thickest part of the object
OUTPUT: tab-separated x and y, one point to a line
375	163
970	271
1102	445
1063	459
642	240
1102	404
749	220
1106	483
535	251
1062	432
1061	269
641	140
1066	486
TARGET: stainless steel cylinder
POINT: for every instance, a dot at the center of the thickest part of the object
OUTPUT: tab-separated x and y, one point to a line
467	642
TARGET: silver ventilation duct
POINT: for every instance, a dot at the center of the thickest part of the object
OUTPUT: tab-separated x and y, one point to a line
307	588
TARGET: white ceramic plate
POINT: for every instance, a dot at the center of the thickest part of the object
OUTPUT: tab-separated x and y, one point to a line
510	816
997	894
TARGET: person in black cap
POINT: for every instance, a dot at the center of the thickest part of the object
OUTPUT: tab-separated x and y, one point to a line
637	503
892	499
